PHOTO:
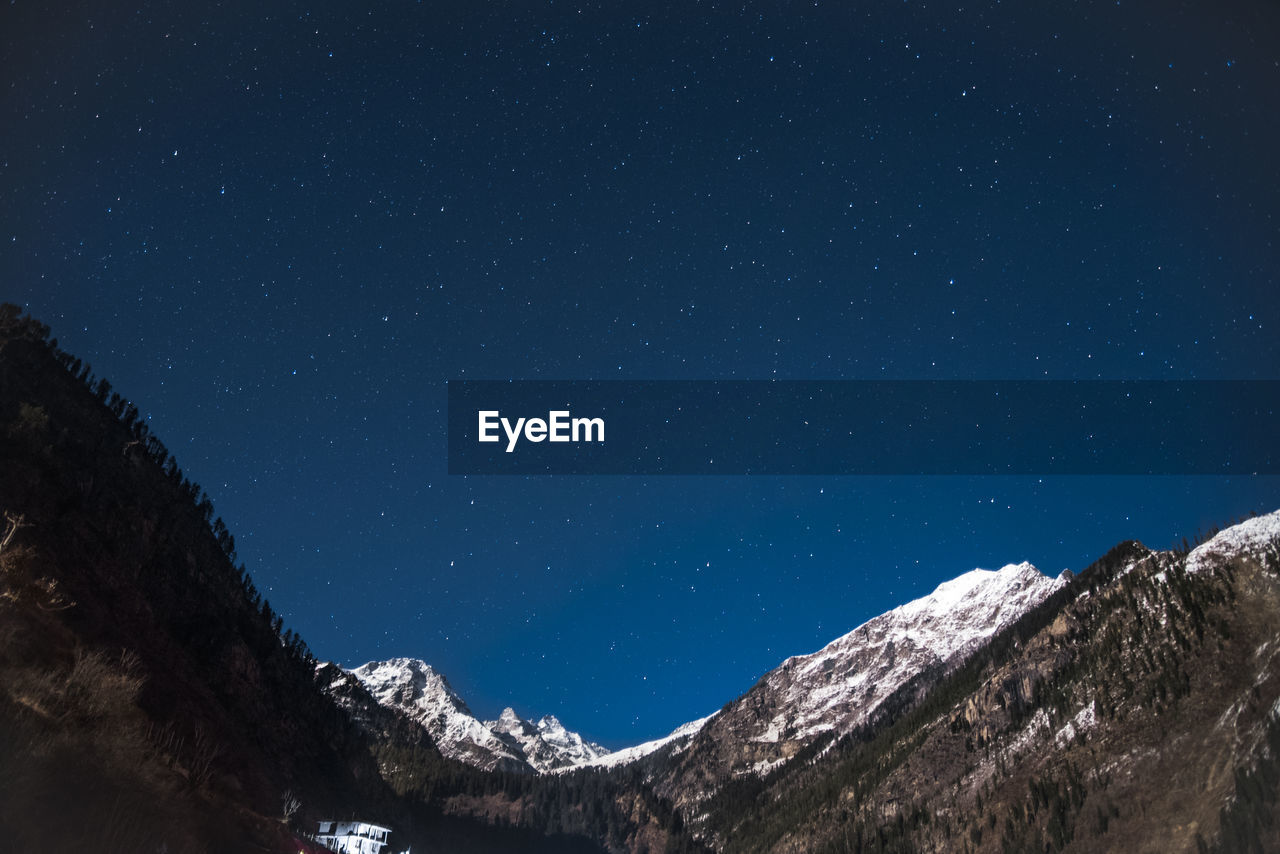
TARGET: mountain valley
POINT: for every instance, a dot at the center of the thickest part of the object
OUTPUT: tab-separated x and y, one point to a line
151	699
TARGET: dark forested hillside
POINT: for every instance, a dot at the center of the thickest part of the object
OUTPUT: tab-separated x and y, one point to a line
152	700
150	694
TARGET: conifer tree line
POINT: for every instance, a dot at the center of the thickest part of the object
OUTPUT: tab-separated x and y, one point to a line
16	324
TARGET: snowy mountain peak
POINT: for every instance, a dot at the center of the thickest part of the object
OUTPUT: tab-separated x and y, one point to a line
546	745
414	687
509	743
974	588
1258	537
409	677
958	612
841	685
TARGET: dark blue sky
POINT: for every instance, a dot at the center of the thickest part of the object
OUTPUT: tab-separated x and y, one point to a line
281	232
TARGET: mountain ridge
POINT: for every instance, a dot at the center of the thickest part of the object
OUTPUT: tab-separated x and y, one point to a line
931	630
509	743
828	693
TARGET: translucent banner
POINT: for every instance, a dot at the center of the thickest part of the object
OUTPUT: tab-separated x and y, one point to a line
808	427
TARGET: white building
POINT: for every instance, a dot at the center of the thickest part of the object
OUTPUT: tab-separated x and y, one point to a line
352	837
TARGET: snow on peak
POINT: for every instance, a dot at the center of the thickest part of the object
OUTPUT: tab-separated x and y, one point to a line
405	674
1258	537
837	687
976	588
969	607
546	745
510	742
840	686
415	688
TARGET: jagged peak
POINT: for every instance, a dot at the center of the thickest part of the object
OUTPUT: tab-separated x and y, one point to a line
974	583
414	665
408	673
509	741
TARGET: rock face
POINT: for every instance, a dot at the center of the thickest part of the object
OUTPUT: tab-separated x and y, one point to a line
507	744
841	686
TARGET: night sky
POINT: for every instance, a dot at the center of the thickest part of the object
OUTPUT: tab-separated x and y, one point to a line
282	232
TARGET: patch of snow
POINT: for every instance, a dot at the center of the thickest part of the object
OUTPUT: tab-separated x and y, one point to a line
764	766
1232	713
1085	720
771	734
1035	729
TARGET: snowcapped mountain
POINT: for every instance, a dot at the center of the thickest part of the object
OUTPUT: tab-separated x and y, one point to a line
841	686
546	744
426	696
1163	676
834	689
509	743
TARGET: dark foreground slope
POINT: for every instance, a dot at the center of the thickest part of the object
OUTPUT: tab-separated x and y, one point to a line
151	699
148	697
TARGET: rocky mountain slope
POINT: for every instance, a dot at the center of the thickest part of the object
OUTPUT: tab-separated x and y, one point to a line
843	685
1135	708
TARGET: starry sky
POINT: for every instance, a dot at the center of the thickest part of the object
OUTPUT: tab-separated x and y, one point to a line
280	229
